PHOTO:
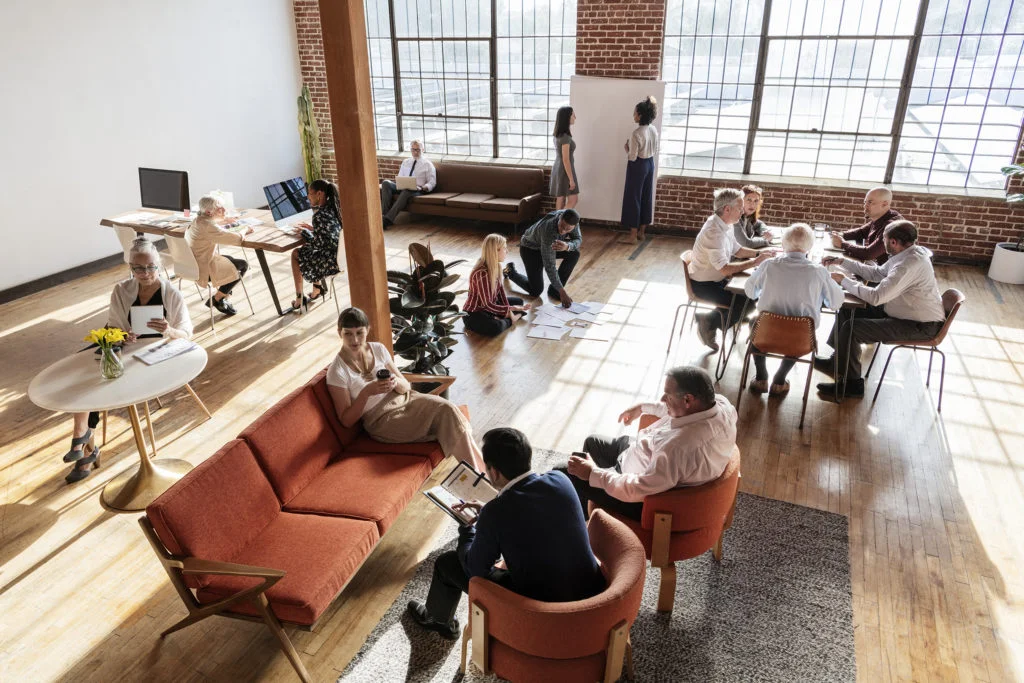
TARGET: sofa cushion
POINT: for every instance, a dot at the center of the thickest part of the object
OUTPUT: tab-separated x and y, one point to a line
468	200
346	435
293	442
428	449
433	198
370	486
501	204
217	508
319	555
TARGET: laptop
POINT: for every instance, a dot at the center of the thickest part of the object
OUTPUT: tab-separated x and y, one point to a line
289	202
405	182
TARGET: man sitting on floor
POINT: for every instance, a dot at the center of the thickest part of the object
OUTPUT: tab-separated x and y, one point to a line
690	445
534	523
712	265
905	305
866	243
416	166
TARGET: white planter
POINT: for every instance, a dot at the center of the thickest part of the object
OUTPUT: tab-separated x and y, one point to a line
1007	265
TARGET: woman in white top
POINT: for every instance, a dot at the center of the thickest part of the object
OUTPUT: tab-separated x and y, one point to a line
203	236
641	148
365	385
144	288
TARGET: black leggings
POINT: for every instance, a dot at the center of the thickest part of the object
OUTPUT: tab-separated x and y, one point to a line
241	266
488	324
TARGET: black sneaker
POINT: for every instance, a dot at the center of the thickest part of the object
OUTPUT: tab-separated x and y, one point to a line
854	388
825	365
508	269
387	222
418	611
222	305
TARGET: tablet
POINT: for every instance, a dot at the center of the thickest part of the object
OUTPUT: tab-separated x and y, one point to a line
140	315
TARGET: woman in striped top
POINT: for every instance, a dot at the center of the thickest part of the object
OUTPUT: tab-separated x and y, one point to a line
490	311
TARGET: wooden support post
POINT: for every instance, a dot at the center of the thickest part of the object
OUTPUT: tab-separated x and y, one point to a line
618	644
478	628
346	62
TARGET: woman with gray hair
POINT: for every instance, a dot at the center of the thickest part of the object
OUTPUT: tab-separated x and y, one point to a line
144	287
790	284
203	236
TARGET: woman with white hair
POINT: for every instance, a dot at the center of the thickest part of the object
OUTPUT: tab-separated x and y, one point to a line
203	236
489	310
790	284
144	287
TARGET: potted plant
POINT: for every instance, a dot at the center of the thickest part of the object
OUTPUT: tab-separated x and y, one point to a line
423	313
1008	260
309	131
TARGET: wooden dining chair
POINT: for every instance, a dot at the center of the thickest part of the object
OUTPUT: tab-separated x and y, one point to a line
781	336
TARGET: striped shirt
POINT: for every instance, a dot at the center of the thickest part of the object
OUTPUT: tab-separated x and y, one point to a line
483	297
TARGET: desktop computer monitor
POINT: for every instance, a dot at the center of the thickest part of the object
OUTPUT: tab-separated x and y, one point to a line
288	201
162	189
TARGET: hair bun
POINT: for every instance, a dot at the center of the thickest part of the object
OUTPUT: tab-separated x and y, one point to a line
651	99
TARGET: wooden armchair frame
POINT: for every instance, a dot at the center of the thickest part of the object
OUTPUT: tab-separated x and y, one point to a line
443	382
177	567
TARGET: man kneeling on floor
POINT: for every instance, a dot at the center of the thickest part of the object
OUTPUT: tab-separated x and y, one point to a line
690	445
534	523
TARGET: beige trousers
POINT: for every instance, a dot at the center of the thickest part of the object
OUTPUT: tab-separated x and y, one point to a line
412	417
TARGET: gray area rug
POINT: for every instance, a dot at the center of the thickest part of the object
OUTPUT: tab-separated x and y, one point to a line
777	608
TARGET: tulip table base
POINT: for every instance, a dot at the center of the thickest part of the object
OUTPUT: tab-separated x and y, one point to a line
133	490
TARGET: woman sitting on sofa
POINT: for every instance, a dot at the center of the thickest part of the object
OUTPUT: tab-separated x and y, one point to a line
489	311
144	288
365	384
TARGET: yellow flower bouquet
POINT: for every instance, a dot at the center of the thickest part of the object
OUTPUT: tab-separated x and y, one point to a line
111	366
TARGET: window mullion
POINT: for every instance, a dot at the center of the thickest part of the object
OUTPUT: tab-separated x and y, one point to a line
396	71
755	105
903	101
494	79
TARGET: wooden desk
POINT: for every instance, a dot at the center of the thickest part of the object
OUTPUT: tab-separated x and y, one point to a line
265	237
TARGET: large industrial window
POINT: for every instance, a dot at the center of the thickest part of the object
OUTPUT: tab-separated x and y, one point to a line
470	77
912	91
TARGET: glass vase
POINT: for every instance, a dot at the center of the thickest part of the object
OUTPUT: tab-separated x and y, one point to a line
111	366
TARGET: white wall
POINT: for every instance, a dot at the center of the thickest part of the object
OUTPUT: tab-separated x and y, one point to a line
91	90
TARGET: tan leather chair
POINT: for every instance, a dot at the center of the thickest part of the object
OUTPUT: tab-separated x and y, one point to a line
952	300
781	336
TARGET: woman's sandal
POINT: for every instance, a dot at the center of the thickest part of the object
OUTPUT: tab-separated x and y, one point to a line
84	467
299	303
77	453
320	291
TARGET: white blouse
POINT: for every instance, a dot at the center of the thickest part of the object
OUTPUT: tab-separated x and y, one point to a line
341	375
643	143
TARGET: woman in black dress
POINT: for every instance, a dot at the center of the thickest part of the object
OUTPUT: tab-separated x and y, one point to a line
317	259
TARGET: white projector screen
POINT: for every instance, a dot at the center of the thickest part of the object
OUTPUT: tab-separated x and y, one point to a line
604	121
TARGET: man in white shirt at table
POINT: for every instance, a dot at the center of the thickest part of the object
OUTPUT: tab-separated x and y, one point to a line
690	445
713	265
393	200
905	305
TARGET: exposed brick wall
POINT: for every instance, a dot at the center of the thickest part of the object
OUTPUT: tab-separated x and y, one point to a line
619	38
622	39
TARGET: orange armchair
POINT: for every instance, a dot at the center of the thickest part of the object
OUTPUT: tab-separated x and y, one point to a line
521	639
683	523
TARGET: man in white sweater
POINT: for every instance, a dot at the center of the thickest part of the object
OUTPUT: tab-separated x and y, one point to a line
905	305
690	445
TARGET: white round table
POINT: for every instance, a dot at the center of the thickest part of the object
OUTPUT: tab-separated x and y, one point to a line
74	385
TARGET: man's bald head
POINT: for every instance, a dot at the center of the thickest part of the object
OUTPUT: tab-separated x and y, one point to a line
877	202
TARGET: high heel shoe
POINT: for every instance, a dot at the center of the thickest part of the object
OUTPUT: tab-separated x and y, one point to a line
77	453
84	467
303	305
321	291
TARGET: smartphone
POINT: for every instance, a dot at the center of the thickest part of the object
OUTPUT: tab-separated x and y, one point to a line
383	373
581	454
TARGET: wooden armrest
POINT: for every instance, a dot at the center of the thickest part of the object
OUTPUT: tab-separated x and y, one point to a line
443	381
193	565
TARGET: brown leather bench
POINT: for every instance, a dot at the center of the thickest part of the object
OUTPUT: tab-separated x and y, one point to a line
505	194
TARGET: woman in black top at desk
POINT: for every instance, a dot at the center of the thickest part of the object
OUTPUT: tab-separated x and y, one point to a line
144	288
317	259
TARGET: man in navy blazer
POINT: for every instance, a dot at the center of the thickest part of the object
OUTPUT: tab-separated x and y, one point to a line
535	524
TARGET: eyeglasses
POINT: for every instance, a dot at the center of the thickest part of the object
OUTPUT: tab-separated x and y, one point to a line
145	269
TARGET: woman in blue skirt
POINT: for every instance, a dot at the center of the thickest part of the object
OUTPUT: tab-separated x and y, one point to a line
641	148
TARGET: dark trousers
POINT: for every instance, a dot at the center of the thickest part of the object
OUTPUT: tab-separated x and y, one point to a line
872	325
449	583
761	368
604	451
94	419
716	293
489	324
241	266
533	281
392	202
638	193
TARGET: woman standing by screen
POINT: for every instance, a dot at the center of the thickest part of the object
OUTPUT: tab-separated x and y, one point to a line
564	183
641	148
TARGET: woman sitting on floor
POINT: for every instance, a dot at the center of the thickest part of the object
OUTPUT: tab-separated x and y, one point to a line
750	230
490	311
317	259
144	288
365	384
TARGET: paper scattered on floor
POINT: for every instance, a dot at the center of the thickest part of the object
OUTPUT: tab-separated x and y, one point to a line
547	320
543	332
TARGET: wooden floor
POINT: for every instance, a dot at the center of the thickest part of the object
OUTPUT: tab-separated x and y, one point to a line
935	503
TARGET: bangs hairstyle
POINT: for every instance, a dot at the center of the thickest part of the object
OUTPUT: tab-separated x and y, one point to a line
648	110
562	122
352	318
754	189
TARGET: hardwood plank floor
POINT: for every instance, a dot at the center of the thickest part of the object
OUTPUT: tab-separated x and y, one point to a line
934	503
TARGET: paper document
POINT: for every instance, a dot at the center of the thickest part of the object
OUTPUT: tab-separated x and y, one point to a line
594	307
591	333
558	312
161	352
577	307
592	318
547	320
463	485
141	315
542	332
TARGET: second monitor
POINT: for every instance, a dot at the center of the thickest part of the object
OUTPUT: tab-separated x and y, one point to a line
289	202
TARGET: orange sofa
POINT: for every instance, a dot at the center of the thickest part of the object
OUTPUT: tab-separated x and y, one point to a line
276	522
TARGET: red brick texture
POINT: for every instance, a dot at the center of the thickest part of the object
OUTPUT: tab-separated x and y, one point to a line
622	39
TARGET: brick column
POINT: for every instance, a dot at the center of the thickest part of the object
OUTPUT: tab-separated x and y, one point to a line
311	65
619	39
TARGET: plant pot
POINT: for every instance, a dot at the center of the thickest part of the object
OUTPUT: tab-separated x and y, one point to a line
1007	264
